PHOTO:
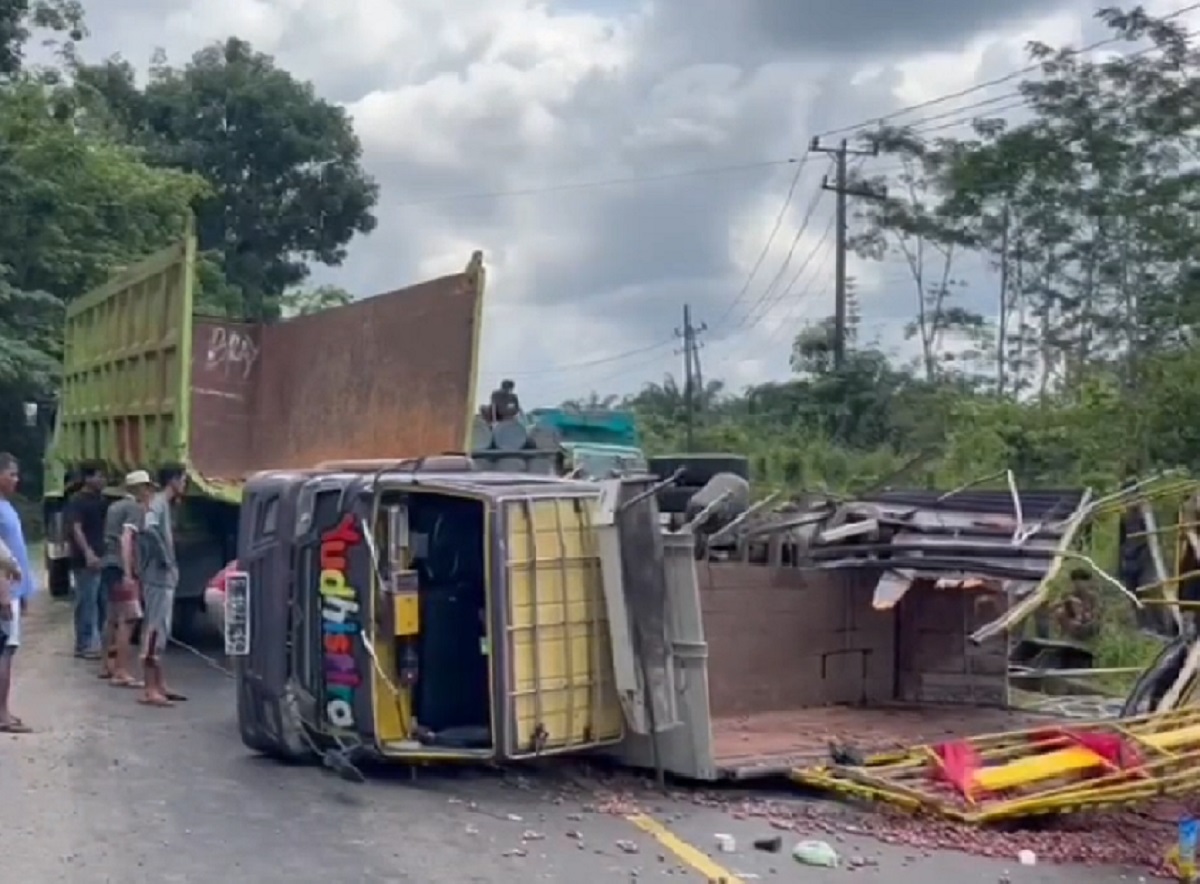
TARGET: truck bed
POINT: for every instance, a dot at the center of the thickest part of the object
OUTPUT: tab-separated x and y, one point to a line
146	381
774	742
388	376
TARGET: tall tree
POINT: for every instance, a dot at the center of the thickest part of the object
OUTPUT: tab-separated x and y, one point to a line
908	221
19	19
1088	205
287	184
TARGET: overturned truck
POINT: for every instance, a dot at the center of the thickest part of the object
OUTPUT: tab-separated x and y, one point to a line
859	628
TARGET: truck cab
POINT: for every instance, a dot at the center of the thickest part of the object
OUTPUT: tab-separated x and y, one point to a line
421	611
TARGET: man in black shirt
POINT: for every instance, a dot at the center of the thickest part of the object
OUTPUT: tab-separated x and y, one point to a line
85	530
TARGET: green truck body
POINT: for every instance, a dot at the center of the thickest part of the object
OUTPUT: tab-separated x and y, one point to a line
147	381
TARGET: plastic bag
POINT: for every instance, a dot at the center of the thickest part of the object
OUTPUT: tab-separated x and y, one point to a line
1182	857
815	853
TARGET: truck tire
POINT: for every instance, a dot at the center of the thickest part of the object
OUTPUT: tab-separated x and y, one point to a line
699	468
1156	679
58	577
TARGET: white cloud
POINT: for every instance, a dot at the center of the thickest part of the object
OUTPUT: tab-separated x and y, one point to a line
452	98
928	75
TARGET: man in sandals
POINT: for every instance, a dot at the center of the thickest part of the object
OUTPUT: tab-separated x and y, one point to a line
16	586
118	578
158	570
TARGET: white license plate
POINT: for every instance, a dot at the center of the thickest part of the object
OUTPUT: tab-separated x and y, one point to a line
237	614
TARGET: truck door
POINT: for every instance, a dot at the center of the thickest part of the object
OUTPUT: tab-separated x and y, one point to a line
557	671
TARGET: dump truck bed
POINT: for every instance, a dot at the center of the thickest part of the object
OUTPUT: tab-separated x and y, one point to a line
146	381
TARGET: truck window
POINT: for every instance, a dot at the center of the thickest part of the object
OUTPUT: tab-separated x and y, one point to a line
268	518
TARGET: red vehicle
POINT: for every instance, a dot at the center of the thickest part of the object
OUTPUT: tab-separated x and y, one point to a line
214	596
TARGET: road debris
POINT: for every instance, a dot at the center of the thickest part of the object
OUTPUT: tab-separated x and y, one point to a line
816	853
769	845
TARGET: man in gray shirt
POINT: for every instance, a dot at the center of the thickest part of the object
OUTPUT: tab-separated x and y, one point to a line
118	578
158	570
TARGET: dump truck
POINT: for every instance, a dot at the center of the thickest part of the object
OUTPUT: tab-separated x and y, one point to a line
149	379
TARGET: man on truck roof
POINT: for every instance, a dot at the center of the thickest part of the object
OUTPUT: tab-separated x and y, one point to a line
505	404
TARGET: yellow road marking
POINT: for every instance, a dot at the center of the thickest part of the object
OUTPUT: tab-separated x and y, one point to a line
692	857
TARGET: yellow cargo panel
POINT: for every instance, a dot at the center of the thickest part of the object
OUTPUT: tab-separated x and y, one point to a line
559	673
125	385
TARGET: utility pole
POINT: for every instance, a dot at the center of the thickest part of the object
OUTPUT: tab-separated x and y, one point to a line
842	190
692	378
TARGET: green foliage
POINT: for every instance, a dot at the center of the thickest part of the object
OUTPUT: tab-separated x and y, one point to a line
286	183
61	21
304	302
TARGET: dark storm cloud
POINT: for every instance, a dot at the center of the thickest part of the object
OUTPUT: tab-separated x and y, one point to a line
764	29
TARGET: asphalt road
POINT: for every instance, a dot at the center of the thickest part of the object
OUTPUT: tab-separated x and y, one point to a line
108	790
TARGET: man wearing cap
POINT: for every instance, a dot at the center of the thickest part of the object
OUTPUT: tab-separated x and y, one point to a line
118	578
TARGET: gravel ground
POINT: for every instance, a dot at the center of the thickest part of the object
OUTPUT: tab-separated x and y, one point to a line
107	790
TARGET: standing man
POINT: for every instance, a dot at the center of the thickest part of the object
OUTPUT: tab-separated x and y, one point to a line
118	578
15	588
85	529
159	572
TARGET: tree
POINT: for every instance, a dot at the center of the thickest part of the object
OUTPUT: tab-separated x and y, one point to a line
304	302
907	219
287	185
76	208
1087	206
20	18
593	402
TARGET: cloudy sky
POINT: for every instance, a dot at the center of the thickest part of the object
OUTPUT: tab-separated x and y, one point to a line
616	159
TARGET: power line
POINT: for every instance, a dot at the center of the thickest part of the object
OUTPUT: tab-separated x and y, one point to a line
787	202
589	363
800	231
817	247
996	81
562	391
791	312
702	172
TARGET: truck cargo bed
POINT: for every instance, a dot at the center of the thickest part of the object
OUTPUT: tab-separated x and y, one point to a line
145	381
774	742
386	377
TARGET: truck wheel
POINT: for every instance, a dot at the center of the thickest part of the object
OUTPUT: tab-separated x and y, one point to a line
1156	680
699	468
58	577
